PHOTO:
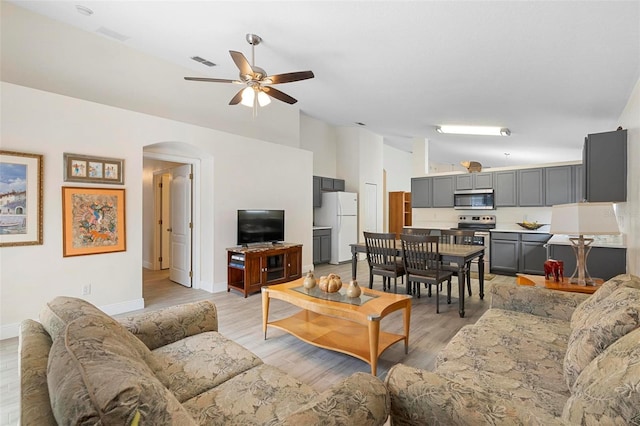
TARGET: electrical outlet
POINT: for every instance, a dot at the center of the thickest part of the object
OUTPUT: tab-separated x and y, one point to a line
86	289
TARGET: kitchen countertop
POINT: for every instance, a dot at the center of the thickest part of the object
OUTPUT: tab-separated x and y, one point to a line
317	228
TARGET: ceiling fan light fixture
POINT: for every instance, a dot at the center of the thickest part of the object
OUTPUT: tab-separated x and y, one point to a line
263	99
248	96
474	130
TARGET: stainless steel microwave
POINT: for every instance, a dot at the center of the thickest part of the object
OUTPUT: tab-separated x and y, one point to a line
478	199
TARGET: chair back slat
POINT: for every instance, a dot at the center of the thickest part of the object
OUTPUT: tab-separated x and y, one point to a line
381	249
457	236
421	253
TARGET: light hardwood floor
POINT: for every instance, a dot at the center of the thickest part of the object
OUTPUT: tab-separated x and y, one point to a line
240	319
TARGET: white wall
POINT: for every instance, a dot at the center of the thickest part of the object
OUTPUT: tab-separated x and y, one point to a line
320	138
397	163
236	172
630	120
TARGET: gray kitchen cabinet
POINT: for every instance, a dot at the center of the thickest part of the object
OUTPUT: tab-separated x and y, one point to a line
604	157
578	183
559	184
505	251
531	187
321	246
602	262
421	192
443	191
518	252
321	184
533	253
317	191
505	188
472	181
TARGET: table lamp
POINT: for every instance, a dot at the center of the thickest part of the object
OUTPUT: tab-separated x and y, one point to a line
580	219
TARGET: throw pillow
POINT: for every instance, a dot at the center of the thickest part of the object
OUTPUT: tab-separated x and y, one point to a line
618	314
96	377
607	391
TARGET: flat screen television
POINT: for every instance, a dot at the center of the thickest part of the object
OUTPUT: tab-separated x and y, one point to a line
260	226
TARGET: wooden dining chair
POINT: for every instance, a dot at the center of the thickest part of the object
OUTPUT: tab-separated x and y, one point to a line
418	231
458	236
383	259
423	265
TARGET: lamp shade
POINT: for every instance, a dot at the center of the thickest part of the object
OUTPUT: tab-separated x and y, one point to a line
584	219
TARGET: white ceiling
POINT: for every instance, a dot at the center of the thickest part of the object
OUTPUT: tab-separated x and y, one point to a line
550	71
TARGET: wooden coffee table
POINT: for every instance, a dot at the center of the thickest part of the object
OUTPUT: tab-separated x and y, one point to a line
350	326
564	285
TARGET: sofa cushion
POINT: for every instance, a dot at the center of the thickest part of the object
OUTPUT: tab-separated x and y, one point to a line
259	396
201	362
96	377
608	389
615	316
56	314
521	347
590	307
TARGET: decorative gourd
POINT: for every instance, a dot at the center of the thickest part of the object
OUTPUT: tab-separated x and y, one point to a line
330	283
353	290
309	281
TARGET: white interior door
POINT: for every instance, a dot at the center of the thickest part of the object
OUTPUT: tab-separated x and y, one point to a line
165	225
181	225
371	207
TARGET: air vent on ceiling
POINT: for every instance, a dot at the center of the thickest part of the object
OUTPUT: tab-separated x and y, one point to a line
203	61
112	34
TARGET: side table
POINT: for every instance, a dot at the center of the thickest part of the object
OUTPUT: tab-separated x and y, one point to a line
564	285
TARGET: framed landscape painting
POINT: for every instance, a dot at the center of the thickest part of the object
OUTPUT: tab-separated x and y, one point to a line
83	168
93	221
20	199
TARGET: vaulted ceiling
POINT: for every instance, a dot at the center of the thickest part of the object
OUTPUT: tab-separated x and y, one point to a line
549	71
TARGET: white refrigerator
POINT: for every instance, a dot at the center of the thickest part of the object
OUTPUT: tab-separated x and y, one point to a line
339	211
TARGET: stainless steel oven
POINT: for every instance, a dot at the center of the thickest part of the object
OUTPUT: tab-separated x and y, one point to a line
481	224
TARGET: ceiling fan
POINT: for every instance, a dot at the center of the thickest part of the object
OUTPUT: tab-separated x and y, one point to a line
258	90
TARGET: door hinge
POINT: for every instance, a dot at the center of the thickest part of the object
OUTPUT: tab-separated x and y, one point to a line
191	176
160	185
190	225
159	221
160	259
190	274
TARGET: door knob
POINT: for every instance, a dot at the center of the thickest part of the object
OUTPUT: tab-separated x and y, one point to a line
169	229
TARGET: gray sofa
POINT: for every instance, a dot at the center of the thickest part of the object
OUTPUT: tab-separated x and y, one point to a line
536	357
168	367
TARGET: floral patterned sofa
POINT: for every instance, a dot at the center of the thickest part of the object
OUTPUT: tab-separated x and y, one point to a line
168	367
537	357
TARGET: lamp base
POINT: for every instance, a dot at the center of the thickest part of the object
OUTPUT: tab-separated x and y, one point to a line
581	247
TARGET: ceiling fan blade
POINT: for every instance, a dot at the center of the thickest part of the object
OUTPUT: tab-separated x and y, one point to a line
277	94
289	77
213	80
241	62
237	98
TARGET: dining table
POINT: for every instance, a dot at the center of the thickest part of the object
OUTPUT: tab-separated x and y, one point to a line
460	254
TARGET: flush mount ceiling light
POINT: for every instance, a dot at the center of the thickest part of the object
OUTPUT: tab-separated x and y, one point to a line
474	130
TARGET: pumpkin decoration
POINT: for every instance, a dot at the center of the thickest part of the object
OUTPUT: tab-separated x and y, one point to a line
309	281
330	283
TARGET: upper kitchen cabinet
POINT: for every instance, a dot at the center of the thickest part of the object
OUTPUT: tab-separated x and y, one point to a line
531	187
443	191
604	158
559	185
321	184
317	192
505	188
421	192
472	181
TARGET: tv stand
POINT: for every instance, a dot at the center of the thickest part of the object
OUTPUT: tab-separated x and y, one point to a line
251	268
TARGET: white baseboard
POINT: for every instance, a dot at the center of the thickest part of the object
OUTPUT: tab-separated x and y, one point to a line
123	307
146	264
207	286
7	331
